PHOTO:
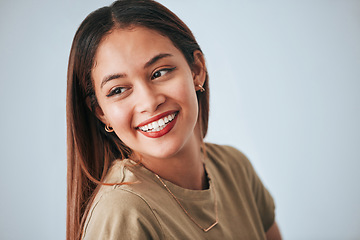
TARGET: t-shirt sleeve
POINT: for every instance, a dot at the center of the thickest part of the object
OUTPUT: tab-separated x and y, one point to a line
121	214
264	201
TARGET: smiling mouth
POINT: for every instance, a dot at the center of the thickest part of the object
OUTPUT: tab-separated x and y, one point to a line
158	125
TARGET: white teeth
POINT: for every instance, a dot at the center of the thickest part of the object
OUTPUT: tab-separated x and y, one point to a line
158	125
161	122
155	125
157	129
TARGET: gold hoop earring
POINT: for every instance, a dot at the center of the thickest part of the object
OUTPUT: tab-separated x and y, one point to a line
108	129
201	88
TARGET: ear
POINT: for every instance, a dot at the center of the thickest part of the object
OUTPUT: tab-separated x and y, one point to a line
198	69
97	111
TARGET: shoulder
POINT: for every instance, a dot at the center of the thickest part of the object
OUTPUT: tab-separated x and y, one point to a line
121	213
121	199
235	167
219	151
224	155
232	161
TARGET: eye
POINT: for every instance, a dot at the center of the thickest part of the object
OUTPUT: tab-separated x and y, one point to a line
116	91
161	72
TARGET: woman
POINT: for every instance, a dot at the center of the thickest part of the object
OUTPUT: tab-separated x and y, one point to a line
137	113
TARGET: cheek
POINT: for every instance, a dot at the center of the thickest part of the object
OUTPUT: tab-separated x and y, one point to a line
184	93
119	117
184	89
188	94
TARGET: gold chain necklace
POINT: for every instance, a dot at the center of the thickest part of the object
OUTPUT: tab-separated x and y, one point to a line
186	212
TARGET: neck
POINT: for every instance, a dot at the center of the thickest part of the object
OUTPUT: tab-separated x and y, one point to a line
185	169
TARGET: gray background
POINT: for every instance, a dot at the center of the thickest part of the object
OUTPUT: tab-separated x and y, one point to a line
285	81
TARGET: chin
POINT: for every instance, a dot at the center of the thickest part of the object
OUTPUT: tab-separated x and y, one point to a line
163	151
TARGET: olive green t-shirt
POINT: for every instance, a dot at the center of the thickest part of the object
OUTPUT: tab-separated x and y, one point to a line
146	210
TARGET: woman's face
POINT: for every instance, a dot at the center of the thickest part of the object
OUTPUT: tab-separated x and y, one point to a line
147	92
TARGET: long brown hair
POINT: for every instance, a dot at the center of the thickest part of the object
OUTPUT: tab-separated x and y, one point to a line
91	150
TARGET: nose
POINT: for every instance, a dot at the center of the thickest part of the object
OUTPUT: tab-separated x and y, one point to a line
149	98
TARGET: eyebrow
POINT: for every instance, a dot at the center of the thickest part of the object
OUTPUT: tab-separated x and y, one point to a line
111	77
157	58
147	64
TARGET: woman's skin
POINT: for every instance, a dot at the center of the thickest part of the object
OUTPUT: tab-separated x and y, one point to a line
141	77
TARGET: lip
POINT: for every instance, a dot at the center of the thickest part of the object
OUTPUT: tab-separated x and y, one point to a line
155	118
162	132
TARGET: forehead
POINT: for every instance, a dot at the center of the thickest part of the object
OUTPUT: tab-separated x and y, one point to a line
132	46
